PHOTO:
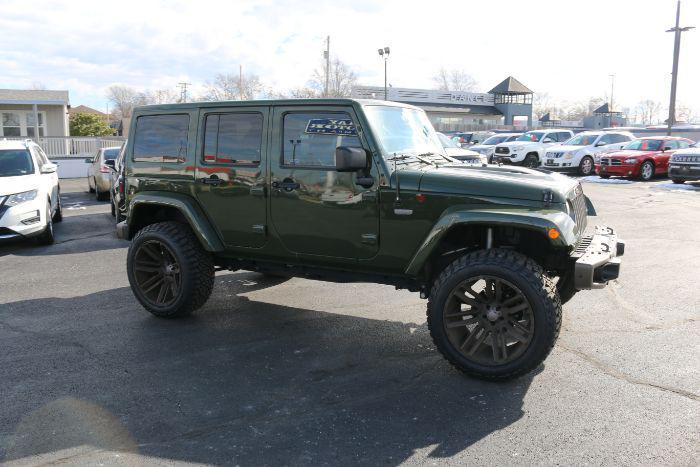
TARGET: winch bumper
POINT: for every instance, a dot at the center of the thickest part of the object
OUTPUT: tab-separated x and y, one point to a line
597	259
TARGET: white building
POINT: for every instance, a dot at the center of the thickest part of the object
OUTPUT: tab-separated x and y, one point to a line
33	113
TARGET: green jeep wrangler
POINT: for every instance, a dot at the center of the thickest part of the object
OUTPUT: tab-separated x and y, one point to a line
358	191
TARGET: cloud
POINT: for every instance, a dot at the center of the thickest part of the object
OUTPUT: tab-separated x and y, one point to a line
566	49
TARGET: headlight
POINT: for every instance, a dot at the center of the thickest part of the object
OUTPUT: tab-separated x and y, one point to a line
568	155
518	148
631	160
596	157
19	198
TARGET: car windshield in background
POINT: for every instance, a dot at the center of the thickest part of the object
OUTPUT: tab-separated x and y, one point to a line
582	140
644	145
531	136
402	130
111	153
15	162
447	142
495	140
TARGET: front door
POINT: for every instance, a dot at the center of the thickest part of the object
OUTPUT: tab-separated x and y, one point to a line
314	209
230	174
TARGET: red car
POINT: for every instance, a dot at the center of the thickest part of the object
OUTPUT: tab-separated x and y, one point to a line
642	158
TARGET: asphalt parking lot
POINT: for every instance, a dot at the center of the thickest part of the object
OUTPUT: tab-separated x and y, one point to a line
303	372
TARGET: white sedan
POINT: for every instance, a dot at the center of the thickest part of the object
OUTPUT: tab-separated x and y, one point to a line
29	192
579	152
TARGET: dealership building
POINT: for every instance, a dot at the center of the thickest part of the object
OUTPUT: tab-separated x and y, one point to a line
509	103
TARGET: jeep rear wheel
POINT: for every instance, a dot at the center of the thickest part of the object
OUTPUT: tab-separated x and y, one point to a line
494	314
169	271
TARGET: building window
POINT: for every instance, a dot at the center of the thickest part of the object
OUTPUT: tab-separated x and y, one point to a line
20	123
161	138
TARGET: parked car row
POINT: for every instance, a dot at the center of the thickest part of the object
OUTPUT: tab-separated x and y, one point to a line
642	158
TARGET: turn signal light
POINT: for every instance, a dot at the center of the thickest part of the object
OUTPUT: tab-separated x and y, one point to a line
420	197
553	234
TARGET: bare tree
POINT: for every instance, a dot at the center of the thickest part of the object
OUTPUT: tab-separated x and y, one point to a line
341	80
161	96
124	99
454	80
234	87
542	104
685	113
649	111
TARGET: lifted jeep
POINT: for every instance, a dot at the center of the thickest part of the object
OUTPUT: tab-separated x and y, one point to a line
359	191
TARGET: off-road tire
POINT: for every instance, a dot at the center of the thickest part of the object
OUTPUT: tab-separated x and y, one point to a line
58	215
47	236
196	268
641	171
537	287
531	161
581	164
566	288
678	181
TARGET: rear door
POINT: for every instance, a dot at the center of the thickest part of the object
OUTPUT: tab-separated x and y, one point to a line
231	172
663	157
315	210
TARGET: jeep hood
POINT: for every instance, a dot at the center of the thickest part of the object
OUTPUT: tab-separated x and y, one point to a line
496	181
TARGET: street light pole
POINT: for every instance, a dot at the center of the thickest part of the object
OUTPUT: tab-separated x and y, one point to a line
327	56
677	30
384	53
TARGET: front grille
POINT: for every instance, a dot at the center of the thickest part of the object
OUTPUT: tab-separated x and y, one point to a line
554	155
502	150
610	161
580	211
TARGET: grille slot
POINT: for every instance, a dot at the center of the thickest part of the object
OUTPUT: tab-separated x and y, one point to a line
502	150
580	210
610	161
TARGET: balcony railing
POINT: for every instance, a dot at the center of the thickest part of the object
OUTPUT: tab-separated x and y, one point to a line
74	146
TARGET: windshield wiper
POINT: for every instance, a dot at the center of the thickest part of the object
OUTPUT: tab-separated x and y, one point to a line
404	158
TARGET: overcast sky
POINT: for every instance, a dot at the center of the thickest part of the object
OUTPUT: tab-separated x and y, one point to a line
565	48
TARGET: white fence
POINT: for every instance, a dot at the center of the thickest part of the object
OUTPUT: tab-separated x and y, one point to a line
74	146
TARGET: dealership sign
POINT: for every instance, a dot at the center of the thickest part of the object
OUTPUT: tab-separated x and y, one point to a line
423	96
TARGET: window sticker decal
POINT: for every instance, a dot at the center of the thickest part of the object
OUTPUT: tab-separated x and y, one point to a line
331	126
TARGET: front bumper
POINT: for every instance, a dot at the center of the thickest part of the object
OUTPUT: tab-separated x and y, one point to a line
624	170
597	259
511	159
23	220
684	171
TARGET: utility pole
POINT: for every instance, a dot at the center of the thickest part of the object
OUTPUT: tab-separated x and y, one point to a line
612	93
384	53
677	30
240	82
183	91
327	56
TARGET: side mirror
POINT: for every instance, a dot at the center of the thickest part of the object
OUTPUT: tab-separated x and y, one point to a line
110	163
600	143
350	159
49	168
548	140
667	148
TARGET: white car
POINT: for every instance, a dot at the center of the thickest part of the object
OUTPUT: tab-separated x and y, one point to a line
487	147
580	151
528	149
29	192
455	151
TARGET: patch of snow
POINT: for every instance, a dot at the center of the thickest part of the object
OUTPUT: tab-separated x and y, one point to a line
613	181
680	187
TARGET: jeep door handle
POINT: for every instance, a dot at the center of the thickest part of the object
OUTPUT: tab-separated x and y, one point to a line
213	180
285	185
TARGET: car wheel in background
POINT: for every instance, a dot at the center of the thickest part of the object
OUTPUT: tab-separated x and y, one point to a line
100	195
91	189
46	237
605	176
586	167
532	161
646	171
58	215
677	181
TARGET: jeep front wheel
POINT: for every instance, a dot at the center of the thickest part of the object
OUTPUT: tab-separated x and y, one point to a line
494	314
169	272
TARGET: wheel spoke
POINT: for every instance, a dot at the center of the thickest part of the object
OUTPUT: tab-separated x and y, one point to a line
464	299
460	314
518	332
479	340
146	248
498	290
146	268
472	335
150	281
161	293
159	281
517	308
462	322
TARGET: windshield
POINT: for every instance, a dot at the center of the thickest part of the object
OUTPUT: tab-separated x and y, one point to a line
447	142
401	130
495	140
14	162
644	145
111	153
532	136
582	140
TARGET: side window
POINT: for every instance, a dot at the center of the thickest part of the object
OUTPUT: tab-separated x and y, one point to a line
671	144
310	139
234	138
161	138
37	157
563	136
552	136
41	155
683	144
607	139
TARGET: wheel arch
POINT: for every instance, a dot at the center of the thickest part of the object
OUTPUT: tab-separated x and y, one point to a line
522	230
149	208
